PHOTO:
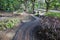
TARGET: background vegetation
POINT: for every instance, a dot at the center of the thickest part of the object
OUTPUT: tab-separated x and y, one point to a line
9	5
29	5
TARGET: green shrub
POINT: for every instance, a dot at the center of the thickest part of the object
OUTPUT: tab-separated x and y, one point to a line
8	23
9	5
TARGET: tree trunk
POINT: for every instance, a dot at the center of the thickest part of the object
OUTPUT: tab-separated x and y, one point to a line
33	8
25	4
47	7
55	7
33	4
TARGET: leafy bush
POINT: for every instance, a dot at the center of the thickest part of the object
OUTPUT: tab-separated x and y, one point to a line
9	5
8	23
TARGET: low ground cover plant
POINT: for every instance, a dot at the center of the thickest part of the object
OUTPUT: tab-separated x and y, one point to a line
8	23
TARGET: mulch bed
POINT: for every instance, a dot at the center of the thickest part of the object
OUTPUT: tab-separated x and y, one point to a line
50	28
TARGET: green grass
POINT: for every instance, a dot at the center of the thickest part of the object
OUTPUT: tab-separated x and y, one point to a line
53	14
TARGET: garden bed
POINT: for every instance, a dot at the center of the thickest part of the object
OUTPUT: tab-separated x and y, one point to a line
9	25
